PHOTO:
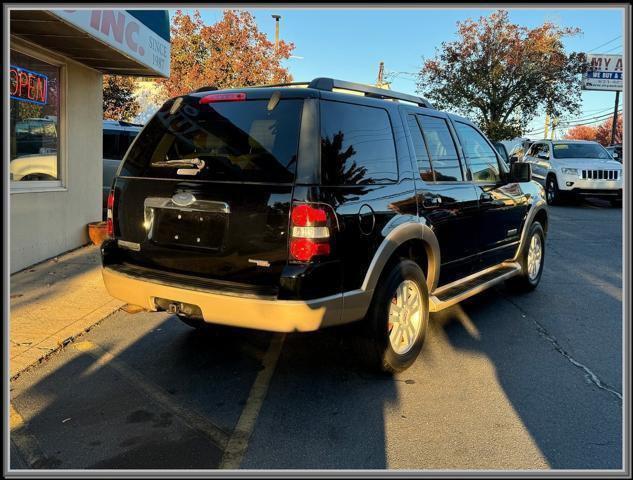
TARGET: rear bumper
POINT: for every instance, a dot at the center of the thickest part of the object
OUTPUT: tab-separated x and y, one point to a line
256	313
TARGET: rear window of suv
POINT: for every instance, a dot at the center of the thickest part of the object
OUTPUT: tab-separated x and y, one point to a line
357	145
240	141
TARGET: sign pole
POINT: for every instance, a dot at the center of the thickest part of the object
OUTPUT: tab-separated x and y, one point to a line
615	116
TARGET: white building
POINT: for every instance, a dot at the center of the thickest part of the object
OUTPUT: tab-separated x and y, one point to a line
57	58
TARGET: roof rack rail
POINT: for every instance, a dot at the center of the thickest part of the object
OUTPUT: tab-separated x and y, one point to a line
329	84
205	89
289	84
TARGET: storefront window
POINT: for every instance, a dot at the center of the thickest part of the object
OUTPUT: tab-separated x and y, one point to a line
34	90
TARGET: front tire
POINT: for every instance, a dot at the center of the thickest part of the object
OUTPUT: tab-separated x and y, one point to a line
398	318
532	260
552	193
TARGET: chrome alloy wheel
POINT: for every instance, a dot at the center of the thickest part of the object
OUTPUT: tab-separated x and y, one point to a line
405	317
535	253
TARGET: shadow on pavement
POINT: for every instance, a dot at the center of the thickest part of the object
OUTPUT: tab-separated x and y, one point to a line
86	415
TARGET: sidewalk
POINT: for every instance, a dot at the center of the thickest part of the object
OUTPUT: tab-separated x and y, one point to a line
54	301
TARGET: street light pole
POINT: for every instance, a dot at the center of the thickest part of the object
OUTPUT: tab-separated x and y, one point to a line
276	17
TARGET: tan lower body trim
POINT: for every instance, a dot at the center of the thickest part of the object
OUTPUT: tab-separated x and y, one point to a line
271	315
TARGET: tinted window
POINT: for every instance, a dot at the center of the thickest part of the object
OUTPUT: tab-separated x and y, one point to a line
357	145
421	154
480	156
441	149
230	141
110	144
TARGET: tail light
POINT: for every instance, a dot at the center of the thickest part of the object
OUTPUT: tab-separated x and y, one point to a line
310	228
110	217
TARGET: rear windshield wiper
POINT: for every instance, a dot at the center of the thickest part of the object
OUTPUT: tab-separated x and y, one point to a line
185	162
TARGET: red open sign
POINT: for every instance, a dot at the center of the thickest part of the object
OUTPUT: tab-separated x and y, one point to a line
28	86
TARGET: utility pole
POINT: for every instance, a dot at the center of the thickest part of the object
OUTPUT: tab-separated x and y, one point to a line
276	17
554	125
615	117
546	125
381	71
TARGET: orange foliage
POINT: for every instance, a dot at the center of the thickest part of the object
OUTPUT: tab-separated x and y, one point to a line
230	53
581	132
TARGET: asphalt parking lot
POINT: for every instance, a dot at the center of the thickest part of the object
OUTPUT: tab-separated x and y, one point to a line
505	381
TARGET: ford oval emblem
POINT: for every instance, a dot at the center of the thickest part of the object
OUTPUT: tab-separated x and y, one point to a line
183	199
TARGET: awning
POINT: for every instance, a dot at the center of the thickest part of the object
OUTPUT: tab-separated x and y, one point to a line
112	41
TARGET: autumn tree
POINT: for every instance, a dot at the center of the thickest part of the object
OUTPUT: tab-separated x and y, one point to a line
581	132
501	74
597	133
119	99
230	53
603	132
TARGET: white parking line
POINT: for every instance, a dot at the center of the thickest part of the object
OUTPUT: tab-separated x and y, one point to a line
238	443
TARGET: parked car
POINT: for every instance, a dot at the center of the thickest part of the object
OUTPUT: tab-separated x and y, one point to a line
615	151
294	209
34	150
571	168
117	137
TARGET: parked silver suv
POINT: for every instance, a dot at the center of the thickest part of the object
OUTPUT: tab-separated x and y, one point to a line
575	168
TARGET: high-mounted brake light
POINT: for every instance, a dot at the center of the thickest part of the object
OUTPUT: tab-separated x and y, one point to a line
309	231
110	217
223	97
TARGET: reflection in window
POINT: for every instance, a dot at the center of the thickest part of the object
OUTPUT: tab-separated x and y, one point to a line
357	145
224	141
481	157
421	154
441	149
34	113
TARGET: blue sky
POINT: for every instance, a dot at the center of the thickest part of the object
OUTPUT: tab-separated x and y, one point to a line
350	43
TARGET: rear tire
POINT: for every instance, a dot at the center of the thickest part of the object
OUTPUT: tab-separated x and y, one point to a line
398	318
532	259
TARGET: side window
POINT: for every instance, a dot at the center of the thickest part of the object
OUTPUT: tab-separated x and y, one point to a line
481	157
532	150
357	145
545	150
110	145
421	154
441	149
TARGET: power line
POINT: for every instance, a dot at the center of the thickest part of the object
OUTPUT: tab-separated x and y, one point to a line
615	48
602	45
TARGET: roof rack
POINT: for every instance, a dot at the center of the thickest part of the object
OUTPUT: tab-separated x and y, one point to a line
329	84
205	89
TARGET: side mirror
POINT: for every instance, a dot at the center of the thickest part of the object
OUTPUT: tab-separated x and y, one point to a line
520	172
514	159
543	156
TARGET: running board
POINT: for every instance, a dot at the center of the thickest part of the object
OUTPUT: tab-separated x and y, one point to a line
455	292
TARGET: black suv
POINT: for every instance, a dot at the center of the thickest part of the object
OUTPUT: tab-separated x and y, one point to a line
296	207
